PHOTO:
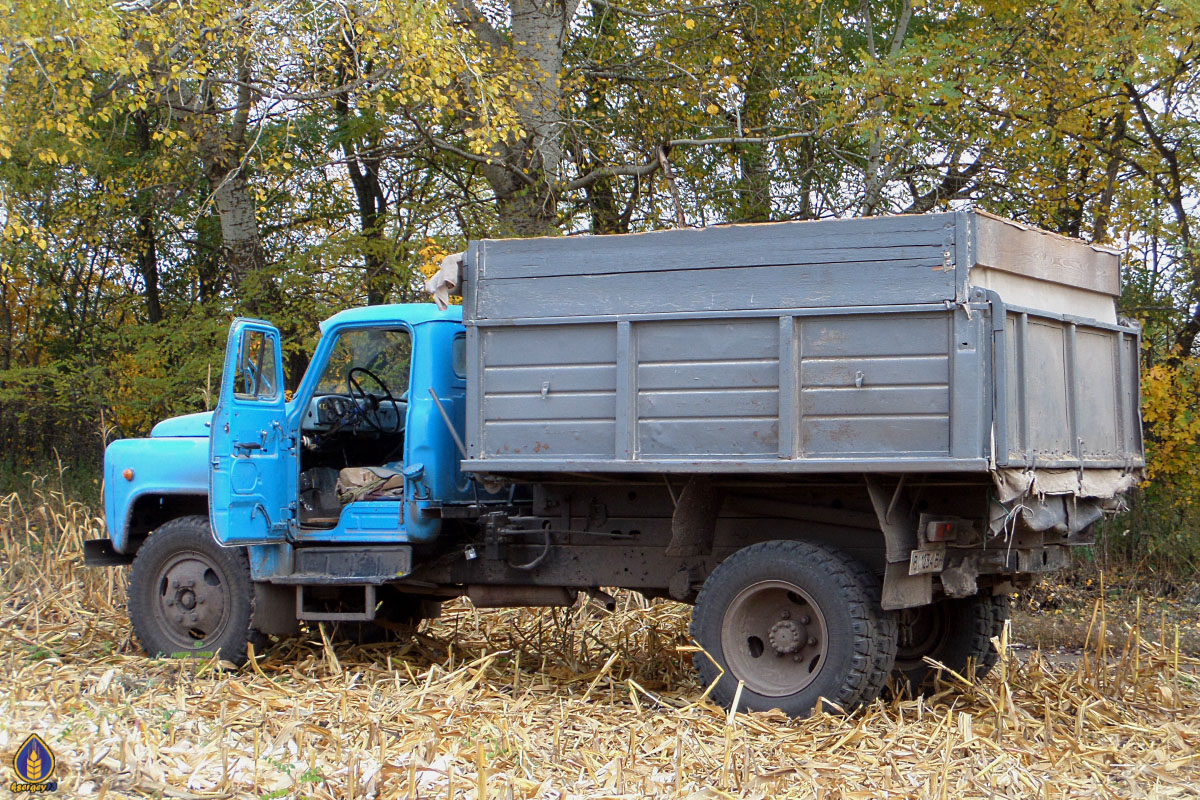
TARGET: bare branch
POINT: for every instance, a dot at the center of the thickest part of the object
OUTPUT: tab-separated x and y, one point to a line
737	140
625	170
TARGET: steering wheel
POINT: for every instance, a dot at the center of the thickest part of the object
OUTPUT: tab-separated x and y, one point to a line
370	404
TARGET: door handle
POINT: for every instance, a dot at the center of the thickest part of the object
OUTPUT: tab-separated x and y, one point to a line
261	444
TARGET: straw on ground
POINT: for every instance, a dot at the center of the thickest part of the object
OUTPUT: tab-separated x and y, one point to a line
549	704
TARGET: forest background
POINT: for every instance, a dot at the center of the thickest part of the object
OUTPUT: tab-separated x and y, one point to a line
167	164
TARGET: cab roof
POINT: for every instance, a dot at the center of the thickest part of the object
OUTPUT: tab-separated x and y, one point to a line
412	313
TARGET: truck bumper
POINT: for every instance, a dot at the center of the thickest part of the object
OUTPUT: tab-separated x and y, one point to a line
101	553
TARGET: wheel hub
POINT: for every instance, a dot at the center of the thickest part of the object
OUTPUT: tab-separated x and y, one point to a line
787	637
919	632
764	624
193	598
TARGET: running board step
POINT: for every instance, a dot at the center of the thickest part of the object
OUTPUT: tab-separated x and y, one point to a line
315	609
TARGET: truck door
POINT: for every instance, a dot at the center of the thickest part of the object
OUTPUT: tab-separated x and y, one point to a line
251	455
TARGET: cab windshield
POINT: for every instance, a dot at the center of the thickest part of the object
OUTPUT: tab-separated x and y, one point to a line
386	353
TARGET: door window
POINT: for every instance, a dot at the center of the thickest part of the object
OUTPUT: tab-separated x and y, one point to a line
256	368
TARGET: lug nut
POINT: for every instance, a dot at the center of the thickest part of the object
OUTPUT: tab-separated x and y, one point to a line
785	614
796	658
805	620
812	640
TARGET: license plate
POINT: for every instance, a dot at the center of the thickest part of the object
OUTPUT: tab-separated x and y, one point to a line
926	561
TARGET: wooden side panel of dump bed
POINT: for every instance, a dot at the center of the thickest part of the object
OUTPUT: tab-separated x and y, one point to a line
845	345
856	262
791	347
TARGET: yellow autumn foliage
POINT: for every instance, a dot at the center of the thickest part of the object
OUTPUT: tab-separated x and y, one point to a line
1172	421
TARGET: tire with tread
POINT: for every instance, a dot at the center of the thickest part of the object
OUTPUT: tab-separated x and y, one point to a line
962	633
190	539
861	636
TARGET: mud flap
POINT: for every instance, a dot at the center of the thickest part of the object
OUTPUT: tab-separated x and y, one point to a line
694	523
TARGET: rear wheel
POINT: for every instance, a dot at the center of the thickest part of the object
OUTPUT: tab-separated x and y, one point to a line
793	622
188	596
955	632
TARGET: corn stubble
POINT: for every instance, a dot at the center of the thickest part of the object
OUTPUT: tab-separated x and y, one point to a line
545	704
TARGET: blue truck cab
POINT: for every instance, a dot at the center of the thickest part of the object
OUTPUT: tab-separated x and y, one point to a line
263	466
356	456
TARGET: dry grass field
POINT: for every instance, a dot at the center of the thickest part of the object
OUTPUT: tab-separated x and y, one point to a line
579	704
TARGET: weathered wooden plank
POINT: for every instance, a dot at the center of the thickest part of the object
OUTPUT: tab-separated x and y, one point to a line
884	336
707	340
708	403
562	378
917	248
876	370
722	246
730	374
537	438
568	345
1098	388
876	400
1045	378
1011	247
711	437
736	288
563	406
888	434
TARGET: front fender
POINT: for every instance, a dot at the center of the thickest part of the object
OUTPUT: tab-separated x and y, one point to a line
167	466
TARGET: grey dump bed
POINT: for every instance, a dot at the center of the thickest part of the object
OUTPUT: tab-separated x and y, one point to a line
942	342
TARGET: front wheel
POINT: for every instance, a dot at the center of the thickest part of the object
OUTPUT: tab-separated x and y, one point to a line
188	596
793	622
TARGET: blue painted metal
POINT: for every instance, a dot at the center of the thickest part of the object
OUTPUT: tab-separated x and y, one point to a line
176	459
186	425
161	466
270	560
251	455
427	441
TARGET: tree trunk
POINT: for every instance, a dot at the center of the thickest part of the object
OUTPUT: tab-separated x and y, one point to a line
147	261
222	148
239	224
363	162
527	167
754	160
145	236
